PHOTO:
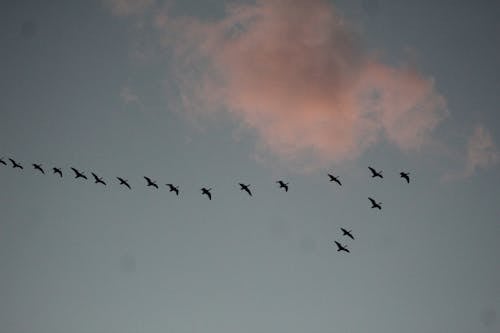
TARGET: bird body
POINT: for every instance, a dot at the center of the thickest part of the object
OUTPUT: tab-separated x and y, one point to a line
334	179
347	233
150	182
58	171
206	191
375	204
98	180
173	188
245	188
15	164
124	182
376	173
405	175
78	174
283	185
341	247
38	167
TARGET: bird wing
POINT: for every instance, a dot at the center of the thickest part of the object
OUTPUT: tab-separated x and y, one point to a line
372	201
372	170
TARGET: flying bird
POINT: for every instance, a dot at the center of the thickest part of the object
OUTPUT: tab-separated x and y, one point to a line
173	188
2	161
245	188
347	233
334	179
15	164
98	180
340	247
39	168
58	171
405	175
283	185
375	204
124	182
150	182
78	174
206	191
375	173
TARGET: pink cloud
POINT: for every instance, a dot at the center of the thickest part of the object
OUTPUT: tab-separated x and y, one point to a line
481	151
295	73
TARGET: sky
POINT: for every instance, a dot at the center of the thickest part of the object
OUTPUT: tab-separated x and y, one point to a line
213	93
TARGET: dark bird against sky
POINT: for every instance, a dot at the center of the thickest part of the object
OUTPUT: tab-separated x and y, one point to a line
375	173
57	171
347	233
2	161
334	179
124	182
150	182
15	164
375	204
38	167
98	180
78	174
245	188
341	247
173	188
206	191
283	185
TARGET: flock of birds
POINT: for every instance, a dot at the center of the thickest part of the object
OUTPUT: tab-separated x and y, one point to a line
206	191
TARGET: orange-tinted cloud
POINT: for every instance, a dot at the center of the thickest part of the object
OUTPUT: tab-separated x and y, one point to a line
294	72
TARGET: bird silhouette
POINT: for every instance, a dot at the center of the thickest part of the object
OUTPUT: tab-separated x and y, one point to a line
347	233
341	247
15	164
78	174
206	191
405	175
58	171
2	161
245	188
173	188
375	204
150	182
283	185
39	168
98	180
375	173
124	182
334	179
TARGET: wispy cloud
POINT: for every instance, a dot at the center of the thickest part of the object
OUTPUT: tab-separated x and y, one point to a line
296	73
129	97
481	153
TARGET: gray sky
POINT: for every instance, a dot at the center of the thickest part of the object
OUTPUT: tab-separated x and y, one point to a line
198	96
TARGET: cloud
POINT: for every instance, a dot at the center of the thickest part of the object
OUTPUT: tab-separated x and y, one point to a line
296	74
129	97
480	153
128	7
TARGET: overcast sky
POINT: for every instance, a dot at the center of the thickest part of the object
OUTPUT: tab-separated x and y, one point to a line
212	93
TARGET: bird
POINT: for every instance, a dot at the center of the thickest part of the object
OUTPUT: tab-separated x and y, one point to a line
58	171
283	185
2	161
375	204
375	173
405	175
347	233
206	191
98	180
245	188
340	247
150	182
124	182
15	164
173	188
334	179
38	167
78	174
